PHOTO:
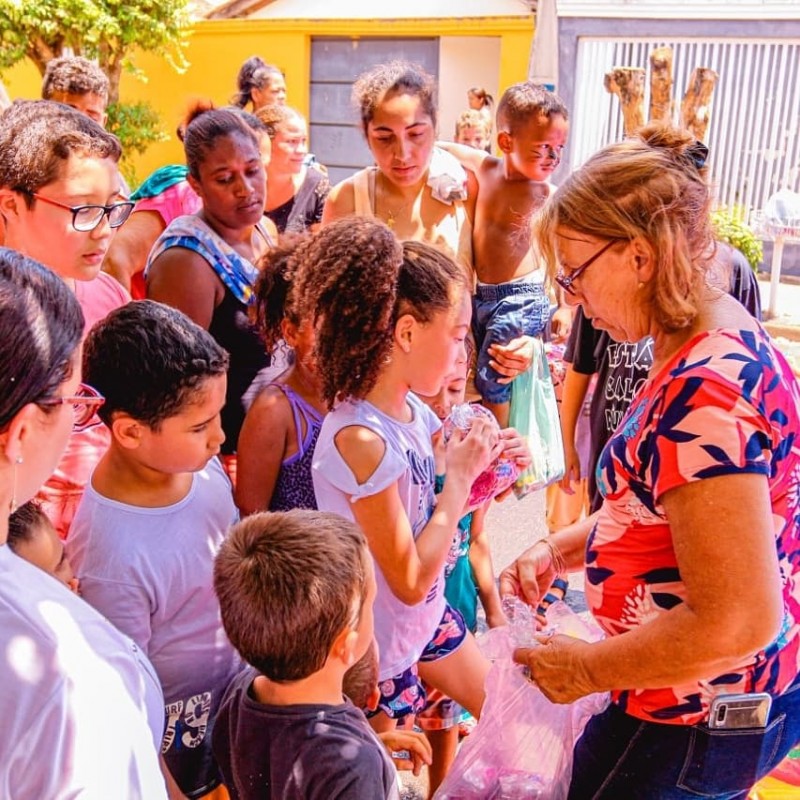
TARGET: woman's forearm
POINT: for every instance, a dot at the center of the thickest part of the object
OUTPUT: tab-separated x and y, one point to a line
569	544
678	647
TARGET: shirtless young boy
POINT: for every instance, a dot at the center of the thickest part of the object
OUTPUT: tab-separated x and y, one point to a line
511	300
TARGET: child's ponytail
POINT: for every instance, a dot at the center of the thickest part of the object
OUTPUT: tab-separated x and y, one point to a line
273	297
354	280
346	286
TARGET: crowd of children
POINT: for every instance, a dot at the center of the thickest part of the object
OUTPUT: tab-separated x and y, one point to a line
357	557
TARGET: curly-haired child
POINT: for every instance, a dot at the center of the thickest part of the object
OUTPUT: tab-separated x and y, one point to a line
391	319
280	430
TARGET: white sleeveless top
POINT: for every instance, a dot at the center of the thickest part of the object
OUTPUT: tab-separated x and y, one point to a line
402	631
454	232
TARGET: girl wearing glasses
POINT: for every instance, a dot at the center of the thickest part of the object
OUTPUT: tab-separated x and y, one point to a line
75	691
60	200
692	560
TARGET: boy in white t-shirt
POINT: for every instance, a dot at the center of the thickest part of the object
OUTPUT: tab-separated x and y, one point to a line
155	513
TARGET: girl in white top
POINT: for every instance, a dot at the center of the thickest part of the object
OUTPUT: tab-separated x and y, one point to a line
391	319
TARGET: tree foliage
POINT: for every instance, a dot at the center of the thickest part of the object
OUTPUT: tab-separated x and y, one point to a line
137	126
103	29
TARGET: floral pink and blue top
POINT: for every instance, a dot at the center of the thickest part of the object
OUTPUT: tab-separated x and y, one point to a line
727	403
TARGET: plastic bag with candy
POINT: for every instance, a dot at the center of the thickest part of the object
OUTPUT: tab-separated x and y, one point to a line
522	745
498	476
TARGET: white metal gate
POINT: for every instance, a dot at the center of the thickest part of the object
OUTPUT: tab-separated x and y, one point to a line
754	135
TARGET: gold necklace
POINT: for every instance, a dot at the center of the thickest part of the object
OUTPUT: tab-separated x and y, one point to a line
391	216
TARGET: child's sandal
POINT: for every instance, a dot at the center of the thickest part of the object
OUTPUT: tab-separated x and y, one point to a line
556	592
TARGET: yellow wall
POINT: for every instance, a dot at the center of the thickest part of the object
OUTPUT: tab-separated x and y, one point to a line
216	50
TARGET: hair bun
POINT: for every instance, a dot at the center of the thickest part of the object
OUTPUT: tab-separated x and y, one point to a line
679	143
197	108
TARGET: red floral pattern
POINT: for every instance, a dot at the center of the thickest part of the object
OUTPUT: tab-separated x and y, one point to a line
727	403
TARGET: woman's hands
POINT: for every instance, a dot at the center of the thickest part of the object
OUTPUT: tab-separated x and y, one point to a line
558	667
532	574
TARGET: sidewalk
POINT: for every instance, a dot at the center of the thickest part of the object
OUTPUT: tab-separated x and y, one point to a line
784	327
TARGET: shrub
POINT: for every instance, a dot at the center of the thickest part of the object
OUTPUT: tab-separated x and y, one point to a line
137	126
730	226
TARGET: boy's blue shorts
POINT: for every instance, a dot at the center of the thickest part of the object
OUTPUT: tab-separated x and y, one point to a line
501	312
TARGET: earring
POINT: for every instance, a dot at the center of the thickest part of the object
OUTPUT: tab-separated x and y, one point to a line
12	506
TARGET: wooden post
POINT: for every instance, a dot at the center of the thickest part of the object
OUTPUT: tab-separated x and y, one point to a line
696	106
661	84
628	84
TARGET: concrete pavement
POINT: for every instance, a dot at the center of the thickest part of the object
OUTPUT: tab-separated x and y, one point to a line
784	327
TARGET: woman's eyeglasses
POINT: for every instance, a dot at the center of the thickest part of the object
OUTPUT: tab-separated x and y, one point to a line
84	405
566	281
87	218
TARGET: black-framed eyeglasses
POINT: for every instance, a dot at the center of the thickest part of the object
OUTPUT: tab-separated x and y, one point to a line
87	218
566	281
84	405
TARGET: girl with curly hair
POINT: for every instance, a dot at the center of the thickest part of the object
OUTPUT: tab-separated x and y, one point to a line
390	320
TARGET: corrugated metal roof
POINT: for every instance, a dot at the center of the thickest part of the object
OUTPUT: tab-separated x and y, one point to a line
358	9
681	9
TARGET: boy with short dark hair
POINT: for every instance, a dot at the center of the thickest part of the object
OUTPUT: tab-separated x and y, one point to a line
77	82
296	591
155	513
511	300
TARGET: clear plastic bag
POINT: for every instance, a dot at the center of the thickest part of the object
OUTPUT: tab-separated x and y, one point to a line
522	745
499	475
534	413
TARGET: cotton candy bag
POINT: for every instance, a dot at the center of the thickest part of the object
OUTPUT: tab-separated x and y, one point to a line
522	746
501	474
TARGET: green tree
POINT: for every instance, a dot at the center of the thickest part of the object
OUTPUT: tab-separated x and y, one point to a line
107	30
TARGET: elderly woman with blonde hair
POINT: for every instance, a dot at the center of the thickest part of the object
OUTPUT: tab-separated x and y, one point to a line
692	561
